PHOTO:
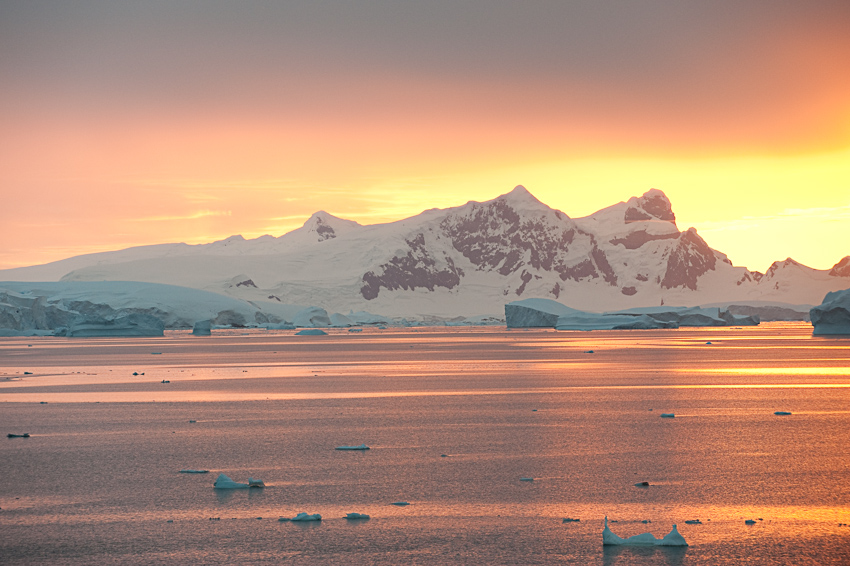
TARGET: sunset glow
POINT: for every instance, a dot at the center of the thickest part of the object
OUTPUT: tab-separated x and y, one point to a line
130	124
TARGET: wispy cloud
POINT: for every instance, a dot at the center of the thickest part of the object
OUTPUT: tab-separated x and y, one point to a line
193	216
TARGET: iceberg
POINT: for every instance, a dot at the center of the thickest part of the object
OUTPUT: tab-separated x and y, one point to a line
255	483
304	517
311	332
832	316
340	320
224	482
202	328
673	538
356	516
546	313
133	324
196	472
360	447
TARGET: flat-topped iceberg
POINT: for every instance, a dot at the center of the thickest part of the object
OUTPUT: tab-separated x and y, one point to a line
358	447
832	316
546	313
133	324
673	538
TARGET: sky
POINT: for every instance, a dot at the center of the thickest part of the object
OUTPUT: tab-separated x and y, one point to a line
127	122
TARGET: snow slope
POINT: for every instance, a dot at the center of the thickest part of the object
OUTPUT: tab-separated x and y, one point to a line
465	261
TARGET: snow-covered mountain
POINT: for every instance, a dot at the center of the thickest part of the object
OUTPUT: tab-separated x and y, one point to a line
465	261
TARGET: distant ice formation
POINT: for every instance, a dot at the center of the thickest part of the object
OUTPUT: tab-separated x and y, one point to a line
202	328
358	447
356	516
196	472
311	332
832	316
546	313
673	538
133	324
303	517
224	482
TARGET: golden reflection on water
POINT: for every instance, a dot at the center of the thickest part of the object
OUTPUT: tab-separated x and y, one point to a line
771	370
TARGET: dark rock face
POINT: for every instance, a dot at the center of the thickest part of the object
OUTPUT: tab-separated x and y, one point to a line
416	269
639	237
494	236
842	268
690	258
654	205
628	291
246	283
324	231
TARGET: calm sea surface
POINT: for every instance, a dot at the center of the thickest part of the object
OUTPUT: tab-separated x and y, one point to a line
457	421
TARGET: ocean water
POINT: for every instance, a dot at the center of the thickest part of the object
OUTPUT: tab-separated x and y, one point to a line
456	419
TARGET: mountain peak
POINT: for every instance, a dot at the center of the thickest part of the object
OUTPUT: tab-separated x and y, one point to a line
652	205
520	197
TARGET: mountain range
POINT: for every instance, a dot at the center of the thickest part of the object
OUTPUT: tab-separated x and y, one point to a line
465	261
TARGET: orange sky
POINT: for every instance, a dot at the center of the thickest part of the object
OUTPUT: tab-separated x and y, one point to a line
128	123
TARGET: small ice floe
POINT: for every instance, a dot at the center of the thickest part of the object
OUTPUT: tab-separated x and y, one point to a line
749	522
708	343
195	472
192	421
588	352
255	483
356	516
16	435
570	520
311	332
27	373
645	521
444	455
224	482
693	522
355	330
360	447
668	415
642	484
165	381
673	538
303	517
526	479
782	413
400	503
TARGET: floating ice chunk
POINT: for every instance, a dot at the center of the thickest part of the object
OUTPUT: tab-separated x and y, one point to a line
355	330
360	447
202	328
668	415
224	482
306	517
526	479
195	472
642	484
14	435
693	522
782	413
356	516
749	522
255	483
400	503
570	520
311	332
673	538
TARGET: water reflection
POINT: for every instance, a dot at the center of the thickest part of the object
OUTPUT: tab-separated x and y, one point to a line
672	555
